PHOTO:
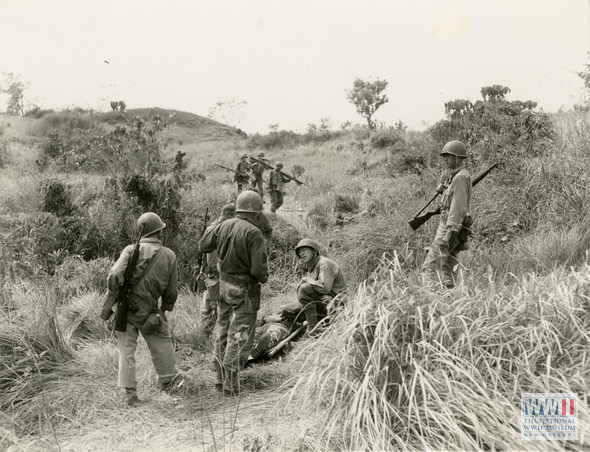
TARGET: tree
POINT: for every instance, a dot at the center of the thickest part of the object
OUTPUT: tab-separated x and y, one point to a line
367	97
15	91
230	112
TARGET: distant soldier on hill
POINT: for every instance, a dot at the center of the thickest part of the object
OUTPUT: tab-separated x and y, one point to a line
241	176
455	208
178	161
275	184
258	171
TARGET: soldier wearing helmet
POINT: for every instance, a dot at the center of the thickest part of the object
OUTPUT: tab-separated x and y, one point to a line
155	276
211	295
241	250
323	282
455	208
258	169
276	179
241	176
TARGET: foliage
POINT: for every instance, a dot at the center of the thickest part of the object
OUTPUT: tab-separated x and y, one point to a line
385	138
15	91
367	97
495	126
229	111
404	368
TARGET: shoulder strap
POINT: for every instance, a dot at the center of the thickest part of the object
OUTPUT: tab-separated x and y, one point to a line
153	260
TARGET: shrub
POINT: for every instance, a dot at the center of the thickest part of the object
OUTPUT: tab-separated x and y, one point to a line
381	139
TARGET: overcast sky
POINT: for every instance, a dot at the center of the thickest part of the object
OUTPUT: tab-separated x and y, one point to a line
292	61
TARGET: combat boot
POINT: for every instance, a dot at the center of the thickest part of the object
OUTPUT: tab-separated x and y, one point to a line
131	397
231	385
218	369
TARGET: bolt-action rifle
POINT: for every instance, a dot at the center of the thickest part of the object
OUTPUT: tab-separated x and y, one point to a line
225	167
200	275
126	286
270	167
419	220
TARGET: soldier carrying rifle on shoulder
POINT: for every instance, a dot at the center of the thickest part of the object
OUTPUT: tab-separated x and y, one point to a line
455	219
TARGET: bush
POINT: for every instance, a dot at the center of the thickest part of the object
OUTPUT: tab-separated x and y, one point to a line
381	139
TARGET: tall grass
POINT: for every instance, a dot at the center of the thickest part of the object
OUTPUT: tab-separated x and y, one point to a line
407	369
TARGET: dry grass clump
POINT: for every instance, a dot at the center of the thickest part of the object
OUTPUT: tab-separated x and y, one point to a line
404	368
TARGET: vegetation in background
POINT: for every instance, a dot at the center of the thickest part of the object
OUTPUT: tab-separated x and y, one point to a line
367	96
402	367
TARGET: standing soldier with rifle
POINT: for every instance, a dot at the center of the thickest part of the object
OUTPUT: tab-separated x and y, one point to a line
276	179
211	276
241	176
455	220
258	171
242	269
145	272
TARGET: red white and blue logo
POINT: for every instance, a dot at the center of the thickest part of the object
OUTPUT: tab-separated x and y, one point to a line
549	416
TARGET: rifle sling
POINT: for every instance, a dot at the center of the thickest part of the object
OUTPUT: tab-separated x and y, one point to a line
144	304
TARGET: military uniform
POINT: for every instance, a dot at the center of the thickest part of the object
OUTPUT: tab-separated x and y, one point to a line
242	265
258	172
455	209
241	176
322	283
275	184
160	281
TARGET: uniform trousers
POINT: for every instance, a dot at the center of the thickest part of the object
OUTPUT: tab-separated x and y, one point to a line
161	349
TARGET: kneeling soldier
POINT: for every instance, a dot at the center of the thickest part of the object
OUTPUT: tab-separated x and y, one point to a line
323	282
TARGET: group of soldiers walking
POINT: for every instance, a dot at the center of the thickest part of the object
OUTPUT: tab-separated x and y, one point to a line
236	267
251	175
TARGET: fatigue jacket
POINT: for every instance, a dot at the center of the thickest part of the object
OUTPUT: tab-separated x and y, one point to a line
326	277
456	200
160	281
240	246
276	180
258	170
242	169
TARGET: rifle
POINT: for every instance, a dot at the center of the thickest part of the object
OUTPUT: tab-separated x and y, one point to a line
277	348
225	167
196	286
418	220
270	167
126	286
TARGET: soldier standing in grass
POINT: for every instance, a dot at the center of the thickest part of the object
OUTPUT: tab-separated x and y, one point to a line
258	171
241	249
275	184
241	176
323	282
211	295
155	276
442	256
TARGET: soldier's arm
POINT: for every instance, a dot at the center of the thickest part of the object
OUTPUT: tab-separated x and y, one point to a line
208	242
117	272
171	293
325	279
461	186
258	257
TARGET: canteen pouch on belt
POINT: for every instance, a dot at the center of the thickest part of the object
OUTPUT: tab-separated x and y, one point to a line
151	324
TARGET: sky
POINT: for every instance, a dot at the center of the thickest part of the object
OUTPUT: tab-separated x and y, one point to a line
292	61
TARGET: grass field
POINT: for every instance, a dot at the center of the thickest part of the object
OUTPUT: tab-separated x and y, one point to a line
403	367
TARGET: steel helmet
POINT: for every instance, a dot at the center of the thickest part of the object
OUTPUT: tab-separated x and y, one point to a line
249	201
244	156
279	164
153	223
261	154
309	243
456	148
